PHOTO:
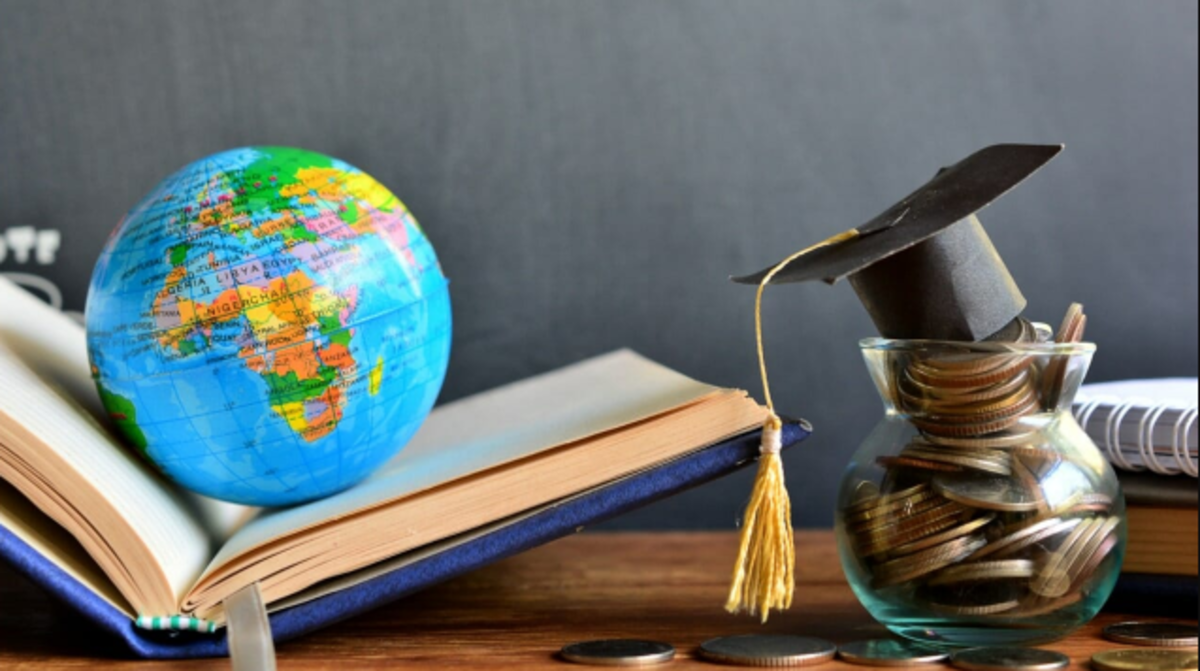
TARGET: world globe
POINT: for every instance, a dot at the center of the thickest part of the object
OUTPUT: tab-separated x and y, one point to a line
268	326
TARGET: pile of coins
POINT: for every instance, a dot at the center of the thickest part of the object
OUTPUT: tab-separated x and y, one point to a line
774	650
967	520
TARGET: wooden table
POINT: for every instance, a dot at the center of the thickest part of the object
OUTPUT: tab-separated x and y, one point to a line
518	613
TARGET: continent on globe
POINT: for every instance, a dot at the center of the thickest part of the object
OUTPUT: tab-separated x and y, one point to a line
268	326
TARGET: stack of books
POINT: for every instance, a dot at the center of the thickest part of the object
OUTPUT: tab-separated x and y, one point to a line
1147	429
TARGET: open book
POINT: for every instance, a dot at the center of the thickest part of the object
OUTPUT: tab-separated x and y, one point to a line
147	548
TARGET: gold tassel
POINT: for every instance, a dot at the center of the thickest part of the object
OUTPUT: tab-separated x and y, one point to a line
764	575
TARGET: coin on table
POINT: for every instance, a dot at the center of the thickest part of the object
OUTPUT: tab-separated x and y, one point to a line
888	652
1155	634
1145	659
768	650
1009	659
618	652
1005	494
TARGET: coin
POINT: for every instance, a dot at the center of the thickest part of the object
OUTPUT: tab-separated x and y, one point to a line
1005	659
1026	537
888	652
885	513
1145	660
768	650
872	502
1000	493
952	411
999	464
994	369
909	519
1033	606
1094	563
1156	634
618	652
865	492
889	543
1004	569
1071	331
1006	440
939	538
1087	549
918	464
1053	579
1093	502
910	567
969	430
976	611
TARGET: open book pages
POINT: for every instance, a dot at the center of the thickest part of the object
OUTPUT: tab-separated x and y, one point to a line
480	460
474	463
151	540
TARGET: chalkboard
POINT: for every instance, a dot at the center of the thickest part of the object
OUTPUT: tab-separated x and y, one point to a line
592	172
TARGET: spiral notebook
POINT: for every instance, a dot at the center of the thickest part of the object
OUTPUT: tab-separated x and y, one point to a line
1143	425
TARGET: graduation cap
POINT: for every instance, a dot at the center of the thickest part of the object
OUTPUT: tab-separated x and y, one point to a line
925	268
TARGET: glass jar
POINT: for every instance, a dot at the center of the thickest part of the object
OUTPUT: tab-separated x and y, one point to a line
978	512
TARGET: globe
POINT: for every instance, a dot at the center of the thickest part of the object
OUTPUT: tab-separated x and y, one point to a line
268	326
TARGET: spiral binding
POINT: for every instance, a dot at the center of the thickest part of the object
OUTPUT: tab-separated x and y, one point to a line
1181	455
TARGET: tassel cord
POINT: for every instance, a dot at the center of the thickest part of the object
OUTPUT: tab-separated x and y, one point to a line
764	574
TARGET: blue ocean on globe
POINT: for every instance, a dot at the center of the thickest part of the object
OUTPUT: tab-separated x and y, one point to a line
268	326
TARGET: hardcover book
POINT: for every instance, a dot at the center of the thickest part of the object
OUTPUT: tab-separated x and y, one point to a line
486	477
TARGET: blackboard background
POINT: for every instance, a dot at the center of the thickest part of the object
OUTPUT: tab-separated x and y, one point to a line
591	172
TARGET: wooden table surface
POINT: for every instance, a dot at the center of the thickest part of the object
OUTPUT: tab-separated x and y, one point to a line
516	614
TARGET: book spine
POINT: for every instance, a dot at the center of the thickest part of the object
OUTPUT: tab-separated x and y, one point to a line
1138	434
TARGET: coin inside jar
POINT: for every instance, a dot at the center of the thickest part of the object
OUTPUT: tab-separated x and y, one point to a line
1005	569
768	650
999	493
1026	537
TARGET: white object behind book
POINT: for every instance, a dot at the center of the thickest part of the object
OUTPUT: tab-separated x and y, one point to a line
1143	424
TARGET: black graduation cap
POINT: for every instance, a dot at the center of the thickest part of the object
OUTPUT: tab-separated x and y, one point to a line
925	268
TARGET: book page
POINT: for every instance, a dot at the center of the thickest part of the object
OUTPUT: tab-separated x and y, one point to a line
55	347
493	428
144	536
49	539
150	538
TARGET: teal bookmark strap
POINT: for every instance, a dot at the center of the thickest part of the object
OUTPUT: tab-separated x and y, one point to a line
175	623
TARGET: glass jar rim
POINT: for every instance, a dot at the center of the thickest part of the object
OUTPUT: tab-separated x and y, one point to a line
1032	349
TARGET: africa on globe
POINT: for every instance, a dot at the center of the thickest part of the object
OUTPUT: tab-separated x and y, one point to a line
268	326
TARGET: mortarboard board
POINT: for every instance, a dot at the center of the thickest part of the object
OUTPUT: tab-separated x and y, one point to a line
925	268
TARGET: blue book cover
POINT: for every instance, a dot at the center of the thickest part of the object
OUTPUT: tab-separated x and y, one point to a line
479	549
